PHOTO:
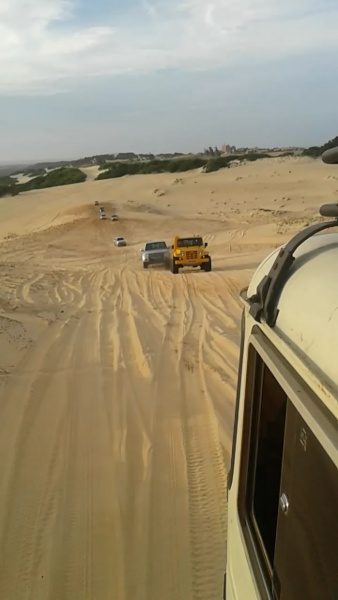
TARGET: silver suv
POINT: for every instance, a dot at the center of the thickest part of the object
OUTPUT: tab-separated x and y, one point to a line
120	241
155	253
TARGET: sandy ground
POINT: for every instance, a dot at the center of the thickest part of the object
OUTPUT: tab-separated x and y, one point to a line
118	384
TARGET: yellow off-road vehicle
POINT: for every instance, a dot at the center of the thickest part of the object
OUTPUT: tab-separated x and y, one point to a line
190	252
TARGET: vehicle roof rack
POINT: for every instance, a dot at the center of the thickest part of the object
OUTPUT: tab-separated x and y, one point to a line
264	303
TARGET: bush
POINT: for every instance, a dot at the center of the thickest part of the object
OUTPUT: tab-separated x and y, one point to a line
104	166
285	154
175	165
4	190
252	156
62	176
8	190
215	164
316	151
187	164
8	180
221	162
34	172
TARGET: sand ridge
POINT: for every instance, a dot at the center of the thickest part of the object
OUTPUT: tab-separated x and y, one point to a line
118	384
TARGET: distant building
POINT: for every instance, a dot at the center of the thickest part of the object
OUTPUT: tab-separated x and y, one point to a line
227	149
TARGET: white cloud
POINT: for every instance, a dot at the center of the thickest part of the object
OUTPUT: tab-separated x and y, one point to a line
149	8
37	57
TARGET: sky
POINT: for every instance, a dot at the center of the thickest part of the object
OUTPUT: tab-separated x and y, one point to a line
79	77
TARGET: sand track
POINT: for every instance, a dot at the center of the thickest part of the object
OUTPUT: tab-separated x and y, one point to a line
117	384
113	482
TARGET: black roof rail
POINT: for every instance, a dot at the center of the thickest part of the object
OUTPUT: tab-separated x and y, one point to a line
264	304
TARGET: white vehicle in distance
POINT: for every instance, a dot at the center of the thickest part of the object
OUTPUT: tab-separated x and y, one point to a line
103	216
114	218
120	241
155	253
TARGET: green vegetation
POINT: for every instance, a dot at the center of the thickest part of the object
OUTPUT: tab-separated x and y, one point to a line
34	172
215	164
316	151
8	186
177	165
66	174
287	153
7	180
118	169
62	176
252	156
8	190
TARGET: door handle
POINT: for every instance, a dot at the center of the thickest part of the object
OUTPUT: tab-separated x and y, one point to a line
284	503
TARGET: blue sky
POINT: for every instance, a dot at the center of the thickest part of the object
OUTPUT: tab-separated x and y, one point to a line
79	77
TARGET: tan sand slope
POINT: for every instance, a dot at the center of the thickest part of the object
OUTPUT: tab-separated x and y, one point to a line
117	384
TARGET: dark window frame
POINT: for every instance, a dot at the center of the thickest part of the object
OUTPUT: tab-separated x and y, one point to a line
237	405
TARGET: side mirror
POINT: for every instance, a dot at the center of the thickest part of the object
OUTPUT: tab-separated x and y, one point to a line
142	250
205	244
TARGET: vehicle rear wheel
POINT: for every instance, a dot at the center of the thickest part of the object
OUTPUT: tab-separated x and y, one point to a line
145	265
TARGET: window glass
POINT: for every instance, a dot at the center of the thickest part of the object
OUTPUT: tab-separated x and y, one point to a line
156	246
186	242
267	463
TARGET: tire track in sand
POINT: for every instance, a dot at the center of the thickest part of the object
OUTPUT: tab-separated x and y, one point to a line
113	484
205	468
169	573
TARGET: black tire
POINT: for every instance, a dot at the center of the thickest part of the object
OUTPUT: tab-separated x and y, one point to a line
207	266
174	267
145	265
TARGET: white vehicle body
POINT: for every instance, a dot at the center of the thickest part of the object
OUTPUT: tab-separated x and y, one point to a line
283	482
120	241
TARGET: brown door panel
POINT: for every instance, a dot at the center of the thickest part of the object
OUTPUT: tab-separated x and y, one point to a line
306	551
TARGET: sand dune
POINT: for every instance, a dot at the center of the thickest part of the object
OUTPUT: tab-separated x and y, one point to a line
118	385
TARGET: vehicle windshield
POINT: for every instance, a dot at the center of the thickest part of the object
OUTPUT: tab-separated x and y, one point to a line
156	246
119	239
193	241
